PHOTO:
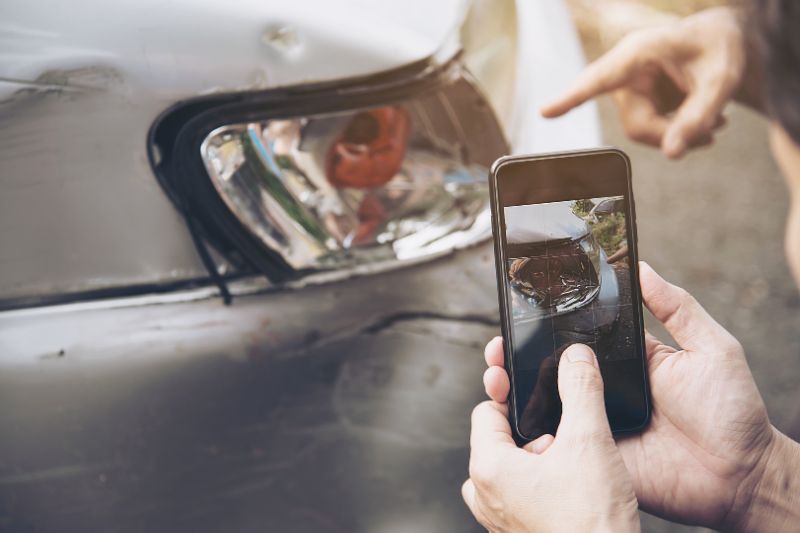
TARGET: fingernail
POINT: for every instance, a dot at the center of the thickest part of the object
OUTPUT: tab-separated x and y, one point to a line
579	353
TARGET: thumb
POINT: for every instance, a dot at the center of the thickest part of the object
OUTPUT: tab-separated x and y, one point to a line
683	317
580	386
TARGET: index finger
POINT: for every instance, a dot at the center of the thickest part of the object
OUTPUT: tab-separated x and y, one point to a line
607	73
494	352
490	428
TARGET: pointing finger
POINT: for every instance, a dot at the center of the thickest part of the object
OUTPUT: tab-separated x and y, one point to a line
609	72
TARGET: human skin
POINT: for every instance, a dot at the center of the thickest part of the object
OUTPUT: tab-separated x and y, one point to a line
573	481
708	59
709	455
672	83
787	154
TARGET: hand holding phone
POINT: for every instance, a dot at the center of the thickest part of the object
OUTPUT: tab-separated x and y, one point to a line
577	479
710	445
567	272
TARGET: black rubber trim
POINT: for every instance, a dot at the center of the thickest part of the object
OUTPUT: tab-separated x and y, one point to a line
208	261
126	291
183	174
164	130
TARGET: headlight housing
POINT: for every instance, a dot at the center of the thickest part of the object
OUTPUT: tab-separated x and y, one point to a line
368	175
332	190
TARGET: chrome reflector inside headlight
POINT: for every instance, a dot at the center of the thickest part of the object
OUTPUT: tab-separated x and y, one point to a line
389	181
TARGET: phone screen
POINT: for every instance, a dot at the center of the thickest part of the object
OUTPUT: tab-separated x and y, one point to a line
570	276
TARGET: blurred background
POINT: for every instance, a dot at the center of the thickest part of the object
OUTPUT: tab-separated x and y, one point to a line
713	221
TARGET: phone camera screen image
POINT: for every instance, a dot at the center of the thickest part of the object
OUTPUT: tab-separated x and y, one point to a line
570	277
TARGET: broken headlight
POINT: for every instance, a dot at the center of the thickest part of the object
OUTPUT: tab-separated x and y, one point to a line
561	277
365	176
334	189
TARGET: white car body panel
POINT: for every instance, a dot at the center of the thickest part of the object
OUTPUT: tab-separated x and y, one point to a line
543	222
183	48
72	224
550	58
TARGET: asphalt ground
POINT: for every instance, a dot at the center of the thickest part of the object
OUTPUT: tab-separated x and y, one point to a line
713	223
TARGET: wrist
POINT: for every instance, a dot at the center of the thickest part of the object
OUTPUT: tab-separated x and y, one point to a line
769	500
630	524
625	520
616	524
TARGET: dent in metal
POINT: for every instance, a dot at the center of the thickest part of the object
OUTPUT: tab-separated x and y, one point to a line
80	208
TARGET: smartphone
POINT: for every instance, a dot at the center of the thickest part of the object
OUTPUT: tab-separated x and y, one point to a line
564	228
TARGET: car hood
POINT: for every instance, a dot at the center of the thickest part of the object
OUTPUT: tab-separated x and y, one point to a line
204	46
543	222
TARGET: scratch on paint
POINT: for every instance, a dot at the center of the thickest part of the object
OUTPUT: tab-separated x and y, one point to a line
48	474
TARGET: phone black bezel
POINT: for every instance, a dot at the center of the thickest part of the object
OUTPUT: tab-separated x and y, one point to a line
498	234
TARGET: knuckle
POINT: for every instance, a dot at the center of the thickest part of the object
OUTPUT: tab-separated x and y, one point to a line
733	344
638	39
484	472
584	437
681	307
660	295
722	78
715	78
636	132
479	409
730	77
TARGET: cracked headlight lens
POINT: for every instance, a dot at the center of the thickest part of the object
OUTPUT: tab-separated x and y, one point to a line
392	182
560	279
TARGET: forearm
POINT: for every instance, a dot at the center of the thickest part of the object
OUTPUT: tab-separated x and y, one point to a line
775	502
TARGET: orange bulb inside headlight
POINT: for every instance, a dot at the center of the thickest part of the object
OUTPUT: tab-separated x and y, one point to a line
370	150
